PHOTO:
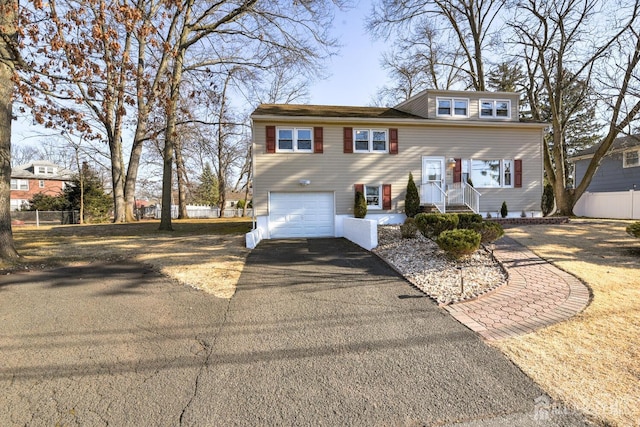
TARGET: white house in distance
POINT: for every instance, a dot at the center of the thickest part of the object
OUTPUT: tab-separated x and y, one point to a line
463	148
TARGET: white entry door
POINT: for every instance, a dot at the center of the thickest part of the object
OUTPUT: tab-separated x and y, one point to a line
433	180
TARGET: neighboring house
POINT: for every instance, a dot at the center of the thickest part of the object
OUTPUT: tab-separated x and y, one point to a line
36	177
619	170
309	160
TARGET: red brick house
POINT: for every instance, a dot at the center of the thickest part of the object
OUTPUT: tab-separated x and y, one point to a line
37	177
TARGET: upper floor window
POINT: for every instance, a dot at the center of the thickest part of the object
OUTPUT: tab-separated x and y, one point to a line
45	170
20	184
295	139
370	141
491	173
455	107
631	158
495	108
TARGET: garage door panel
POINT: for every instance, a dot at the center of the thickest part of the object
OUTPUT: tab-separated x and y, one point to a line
301	215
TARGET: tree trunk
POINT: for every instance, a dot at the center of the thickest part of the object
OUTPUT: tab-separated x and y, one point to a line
132	174
8	26
182	182
117	178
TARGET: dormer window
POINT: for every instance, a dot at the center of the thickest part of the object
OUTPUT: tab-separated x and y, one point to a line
495	109
452	107
45	170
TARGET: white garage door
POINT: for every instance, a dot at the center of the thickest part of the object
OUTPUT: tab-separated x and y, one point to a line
301	215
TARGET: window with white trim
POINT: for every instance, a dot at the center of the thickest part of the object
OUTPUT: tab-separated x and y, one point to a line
41	183
373	195
631	158
45	170
370	141
20	184
491	173
295	140
495	108
452	107
18	204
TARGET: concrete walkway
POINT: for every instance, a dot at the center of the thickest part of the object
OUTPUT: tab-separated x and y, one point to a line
538	294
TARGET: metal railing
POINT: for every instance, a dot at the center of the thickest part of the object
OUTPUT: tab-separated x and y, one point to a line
461	193
432	193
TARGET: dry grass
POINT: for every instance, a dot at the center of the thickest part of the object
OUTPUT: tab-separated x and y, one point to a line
205	254
592	361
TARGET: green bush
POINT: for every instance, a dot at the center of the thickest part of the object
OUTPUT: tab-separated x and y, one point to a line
412	199
503	210
409	228
489	231
360	205
431	225
466	220
458	243
547	202
240	204
634	230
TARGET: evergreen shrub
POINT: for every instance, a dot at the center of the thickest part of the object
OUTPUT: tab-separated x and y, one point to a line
409	228
459	243
431	225
466	220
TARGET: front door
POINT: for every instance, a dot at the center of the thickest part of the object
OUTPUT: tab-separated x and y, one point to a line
433	180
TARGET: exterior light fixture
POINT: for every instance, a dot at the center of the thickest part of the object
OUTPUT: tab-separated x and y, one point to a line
304	182
451	162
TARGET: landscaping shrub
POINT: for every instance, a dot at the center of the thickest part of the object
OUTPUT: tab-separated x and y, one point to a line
409	228
633	230
458	243
466	220
503	210
360	205
431	225
412	199
547	202
489	231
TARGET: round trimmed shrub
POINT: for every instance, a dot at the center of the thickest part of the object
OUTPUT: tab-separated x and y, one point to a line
633	230
489	231
409	228
466	220
458	243
431	225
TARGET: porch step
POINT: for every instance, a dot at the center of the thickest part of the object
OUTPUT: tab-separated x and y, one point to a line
448	209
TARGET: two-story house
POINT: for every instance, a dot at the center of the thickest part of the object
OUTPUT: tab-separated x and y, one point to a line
34	178
463	148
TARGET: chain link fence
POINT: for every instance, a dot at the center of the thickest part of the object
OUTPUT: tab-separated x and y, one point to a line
39	218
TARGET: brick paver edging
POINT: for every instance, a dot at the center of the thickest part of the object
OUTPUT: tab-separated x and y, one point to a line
537	294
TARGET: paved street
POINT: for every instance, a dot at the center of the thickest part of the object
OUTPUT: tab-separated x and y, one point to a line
319	332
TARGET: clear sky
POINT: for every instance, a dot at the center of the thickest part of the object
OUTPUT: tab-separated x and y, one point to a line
355	73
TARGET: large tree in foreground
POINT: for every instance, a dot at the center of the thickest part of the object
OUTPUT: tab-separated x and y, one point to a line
8	60
575	50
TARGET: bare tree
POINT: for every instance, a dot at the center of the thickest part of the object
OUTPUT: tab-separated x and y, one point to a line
566	49
460	30
249	33
9	59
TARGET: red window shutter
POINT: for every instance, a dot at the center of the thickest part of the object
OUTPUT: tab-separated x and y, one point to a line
386	196
457	171
317	140
348	140
271	139
517	165
359	188
393	141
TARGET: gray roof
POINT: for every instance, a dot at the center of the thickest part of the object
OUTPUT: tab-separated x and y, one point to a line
619	144
27	171
331	111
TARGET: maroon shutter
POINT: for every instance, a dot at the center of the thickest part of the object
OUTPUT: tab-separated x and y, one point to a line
386	196
271	139
359	188
317	140
393	141
517	165
348	140
457	171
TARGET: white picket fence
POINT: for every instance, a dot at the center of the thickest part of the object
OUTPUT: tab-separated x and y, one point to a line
196	211
617	205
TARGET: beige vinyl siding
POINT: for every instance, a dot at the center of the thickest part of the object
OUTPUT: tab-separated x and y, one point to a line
338	172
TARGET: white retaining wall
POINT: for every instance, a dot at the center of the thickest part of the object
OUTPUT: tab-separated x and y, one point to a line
618	205
362	232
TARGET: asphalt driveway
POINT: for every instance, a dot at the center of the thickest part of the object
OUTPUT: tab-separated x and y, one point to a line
319	332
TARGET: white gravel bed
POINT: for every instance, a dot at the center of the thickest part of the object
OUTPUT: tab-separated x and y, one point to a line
425	265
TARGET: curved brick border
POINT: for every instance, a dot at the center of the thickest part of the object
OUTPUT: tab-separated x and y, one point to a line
537	295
